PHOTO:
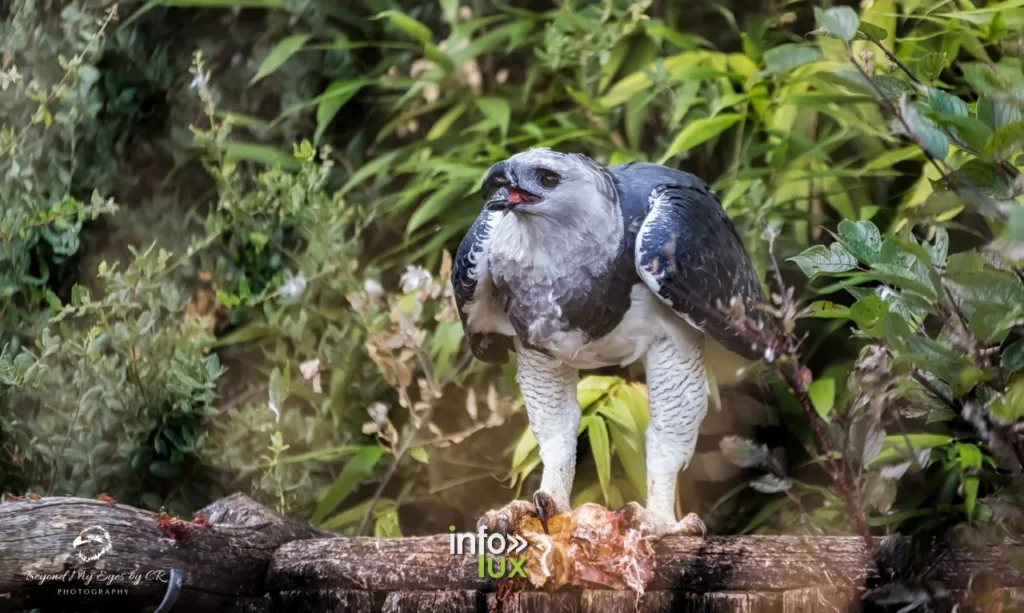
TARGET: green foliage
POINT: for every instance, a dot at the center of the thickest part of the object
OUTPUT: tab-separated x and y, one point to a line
284	326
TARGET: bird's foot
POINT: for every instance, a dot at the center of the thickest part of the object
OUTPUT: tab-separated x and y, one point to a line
511	516
638	516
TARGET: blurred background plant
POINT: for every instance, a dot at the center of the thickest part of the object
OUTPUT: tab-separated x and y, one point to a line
225	236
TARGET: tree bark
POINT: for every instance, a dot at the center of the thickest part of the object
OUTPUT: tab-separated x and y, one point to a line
252	560
39	565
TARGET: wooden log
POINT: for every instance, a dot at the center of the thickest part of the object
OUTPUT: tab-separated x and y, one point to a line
39	564
441	601
685	564
663	601
251	560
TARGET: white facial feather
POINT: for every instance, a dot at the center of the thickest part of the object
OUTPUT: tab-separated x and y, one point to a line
574	227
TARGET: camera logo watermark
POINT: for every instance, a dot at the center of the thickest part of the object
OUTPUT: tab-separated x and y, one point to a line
491	551
92	544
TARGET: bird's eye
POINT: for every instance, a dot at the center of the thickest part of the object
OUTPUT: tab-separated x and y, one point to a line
548	179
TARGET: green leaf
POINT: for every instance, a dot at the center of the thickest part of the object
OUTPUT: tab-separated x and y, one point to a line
386	524
825	309
497	110
446	121
989	286
970	456
331	101
946	104
822	393
699	131
227	4
926	132
997	114
891	87
436	204
165	470
986	176
970	495
828	260
279	55
891	158
600	447
525	446
868	312
970	130
434	53
53	301
931	65
1013	356
616	411
861	238
787	57
407	24
420	454
249	332
938	249
593	387
894	448
244	292
357	468
1006	141
376	166
630	449
876	32
840	21
270	156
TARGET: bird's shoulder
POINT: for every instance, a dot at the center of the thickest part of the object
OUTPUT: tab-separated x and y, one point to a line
688	250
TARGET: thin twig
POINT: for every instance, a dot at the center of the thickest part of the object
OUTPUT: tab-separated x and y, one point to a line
404	449
934	391
791	373
906	438
893	58
793	379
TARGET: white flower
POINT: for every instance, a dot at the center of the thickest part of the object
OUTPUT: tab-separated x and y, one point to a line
373	289
294	287
200	81
414	278
378	413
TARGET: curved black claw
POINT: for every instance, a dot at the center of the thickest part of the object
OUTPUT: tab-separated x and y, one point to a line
507	518
539	501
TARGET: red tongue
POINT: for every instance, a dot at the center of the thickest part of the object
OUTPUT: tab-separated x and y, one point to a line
515	195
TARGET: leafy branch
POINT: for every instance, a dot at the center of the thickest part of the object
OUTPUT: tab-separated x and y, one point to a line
782	348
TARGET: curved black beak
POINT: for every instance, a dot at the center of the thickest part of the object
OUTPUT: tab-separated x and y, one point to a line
495	177
508	195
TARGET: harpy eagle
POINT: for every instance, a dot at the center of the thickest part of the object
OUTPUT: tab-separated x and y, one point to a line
577	266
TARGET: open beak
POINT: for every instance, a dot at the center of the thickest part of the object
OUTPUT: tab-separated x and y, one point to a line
508	195
508	198
79	541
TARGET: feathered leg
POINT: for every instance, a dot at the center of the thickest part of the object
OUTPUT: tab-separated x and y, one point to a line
549	391
678	388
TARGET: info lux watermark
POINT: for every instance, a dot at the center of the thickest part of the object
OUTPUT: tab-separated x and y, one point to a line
491	551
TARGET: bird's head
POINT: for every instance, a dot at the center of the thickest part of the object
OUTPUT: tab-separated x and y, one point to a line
548	183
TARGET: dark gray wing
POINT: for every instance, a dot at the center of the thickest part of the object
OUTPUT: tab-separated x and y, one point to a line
474	293
689	253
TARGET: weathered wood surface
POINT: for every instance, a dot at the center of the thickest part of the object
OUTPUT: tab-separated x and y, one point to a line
39	565
251	560
749	563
